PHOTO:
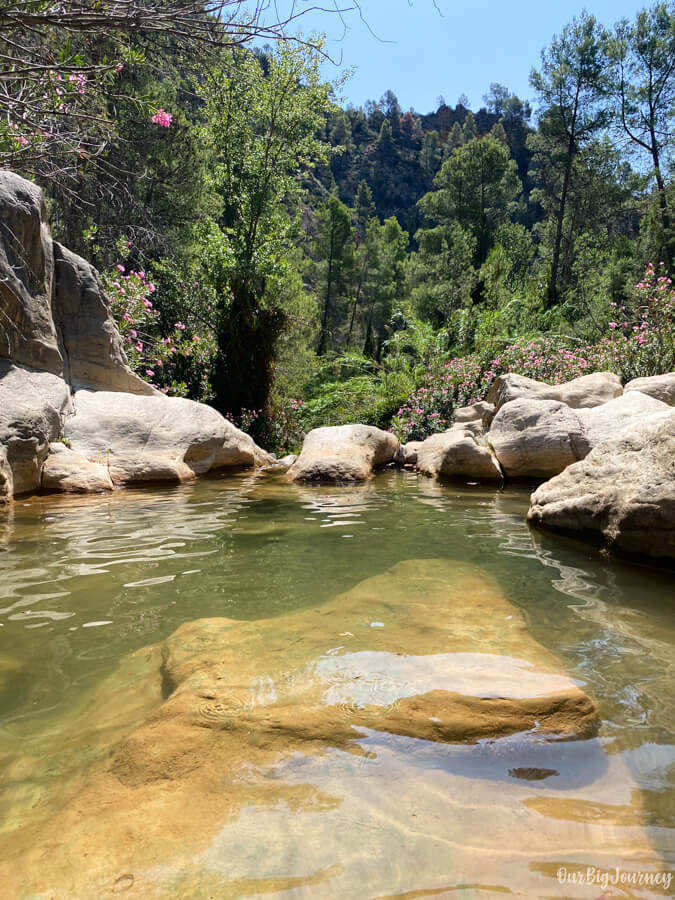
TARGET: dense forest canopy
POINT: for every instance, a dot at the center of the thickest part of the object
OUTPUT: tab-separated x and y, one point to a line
297	262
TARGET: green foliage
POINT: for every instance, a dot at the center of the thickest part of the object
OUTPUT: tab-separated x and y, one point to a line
263	115
475	189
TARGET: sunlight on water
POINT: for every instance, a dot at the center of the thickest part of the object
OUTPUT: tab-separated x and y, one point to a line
324	764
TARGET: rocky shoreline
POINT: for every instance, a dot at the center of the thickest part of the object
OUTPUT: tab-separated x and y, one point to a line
74	417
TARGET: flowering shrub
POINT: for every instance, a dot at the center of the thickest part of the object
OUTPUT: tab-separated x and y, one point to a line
644	335
641	342
176	362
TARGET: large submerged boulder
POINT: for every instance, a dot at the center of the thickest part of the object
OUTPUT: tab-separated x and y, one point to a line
456	453
622	494
430	650
580	393
343	453
57	337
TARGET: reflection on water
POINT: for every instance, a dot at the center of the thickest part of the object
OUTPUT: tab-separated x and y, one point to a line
85	582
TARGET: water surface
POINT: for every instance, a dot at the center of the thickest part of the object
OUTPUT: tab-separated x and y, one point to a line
85	582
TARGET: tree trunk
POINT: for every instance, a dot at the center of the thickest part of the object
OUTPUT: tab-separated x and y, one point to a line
555	264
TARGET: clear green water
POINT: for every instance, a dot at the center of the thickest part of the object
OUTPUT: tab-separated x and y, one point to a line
85	581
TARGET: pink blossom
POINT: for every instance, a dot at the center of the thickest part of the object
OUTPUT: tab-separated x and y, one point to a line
133	334
139	346
119	267
162	117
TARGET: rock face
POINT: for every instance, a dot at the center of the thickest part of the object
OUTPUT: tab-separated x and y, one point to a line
57	337
628	411
154	438
27	333
584	392
91	344
343	453
455	453
535	438
622	493
65	470
660	386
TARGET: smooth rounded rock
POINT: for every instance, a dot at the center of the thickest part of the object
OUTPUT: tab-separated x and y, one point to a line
456	453
343	453
662	387
65	470
583	392
534	438
622	494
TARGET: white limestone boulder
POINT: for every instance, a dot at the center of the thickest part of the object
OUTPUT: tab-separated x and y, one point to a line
534	438
343	454
456	453
65	470
622	494
32	406
580	393
630	410
662	387
156	438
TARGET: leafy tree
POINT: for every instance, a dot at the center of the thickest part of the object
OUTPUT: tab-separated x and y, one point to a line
262	130
431	153
642	86
442	276
469	130
475	188
570	86
364	208
335	247
59	86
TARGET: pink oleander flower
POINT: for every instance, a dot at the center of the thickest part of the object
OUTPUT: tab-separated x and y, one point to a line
119	267
162	117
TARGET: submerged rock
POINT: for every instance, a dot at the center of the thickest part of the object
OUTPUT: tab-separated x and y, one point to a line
452	661
456	453
622	494
343	453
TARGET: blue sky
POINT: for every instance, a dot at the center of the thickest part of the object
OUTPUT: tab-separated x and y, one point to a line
461	52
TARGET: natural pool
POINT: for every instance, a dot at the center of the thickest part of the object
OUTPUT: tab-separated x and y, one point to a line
361	601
